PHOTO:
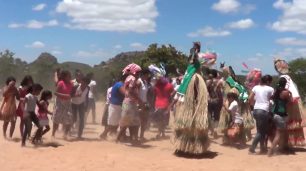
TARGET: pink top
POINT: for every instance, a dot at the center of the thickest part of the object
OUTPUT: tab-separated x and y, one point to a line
22	94
64	88
130	88
163	94
42	111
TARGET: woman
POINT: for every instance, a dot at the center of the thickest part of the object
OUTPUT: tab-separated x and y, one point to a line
260	98
191	120
281	98
296	117
62	113
8	107
25	84
130	118
114	107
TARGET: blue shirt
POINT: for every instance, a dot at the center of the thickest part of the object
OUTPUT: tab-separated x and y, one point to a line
116	96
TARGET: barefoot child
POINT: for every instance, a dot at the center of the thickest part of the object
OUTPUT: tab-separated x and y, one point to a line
8	107
29	115
235	131
43	115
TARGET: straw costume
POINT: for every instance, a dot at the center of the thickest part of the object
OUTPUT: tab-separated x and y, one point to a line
231	85
191	120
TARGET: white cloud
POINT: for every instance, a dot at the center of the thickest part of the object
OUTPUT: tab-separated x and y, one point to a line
226	6
209	32
291	53
39	7
56	52
293	17
258	54
233	6
34	24
291	41
118	46
138	46
91	54
242	24
110	15
36	45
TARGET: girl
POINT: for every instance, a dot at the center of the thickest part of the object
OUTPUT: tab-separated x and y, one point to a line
62	113
8	107
43	115
281	99
235	130
25	84
29	115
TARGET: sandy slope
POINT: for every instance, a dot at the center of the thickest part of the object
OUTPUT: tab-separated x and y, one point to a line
93	154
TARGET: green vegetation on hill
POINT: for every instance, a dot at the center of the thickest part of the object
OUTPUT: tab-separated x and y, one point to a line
42	69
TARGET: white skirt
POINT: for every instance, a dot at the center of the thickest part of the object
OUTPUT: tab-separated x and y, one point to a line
114	114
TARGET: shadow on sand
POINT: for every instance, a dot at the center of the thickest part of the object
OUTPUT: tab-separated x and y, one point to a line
50	144
206	155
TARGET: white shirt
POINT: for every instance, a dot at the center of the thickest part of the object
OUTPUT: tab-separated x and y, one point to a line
91	85
80	96
235	113
262	97
143	91
31	101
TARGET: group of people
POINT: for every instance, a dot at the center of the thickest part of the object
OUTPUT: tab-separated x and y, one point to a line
234	108
140	97
203	101
73	99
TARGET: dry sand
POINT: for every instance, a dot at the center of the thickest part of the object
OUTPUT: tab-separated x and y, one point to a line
93	154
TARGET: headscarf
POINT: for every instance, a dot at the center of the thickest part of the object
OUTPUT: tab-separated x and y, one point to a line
131	69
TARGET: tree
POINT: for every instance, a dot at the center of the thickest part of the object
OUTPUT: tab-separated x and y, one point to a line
298	74
166	54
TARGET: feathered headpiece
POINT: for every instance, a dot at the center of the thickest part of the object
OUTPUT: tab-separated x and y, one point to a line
207	58
157	71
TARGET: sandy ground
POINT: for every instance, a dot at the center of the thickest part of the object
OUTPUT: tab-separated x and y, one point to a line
93	154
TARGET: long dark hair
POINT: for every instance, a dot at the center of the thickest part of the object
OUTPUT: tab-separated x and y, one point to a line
9	79
25	81
281	86
45	95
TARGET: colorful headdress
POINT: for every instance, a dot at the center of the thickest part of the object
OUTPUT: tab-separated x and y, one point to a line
253	78
131	69
281	66
157	71
208	58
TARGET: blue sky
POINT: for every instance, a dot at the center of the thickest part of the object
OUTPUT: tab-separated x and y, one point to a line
92	31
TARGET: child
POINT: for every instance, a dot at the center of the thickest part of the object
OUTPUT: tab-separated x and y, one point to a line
29	115
235	131
8	107
43	116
